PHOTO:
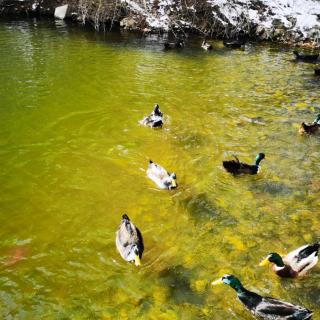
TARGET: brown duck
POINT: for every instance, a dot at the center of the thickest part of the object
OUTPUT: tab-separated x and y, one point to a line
310	128
296	263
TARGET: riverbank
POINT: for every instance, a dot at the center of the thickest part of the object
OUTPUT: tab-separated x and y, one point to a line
290	22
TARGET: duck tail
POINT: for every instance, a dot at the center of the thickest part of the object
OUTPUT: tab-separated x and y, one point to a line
230	166
316	247
309	250
305	127
156	110
125	217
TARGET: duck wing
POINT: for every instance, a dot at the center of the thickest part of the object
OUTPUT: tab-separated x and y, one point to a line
236	167
127	233
127	236
232	166
303	259
274	309
309	128
153	120
157	171
140	242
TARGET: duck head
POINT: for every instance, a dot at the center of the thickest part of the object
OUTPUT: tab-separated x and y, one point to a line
156	110
260	156
171	181
230	280
134	256
272	258
317	119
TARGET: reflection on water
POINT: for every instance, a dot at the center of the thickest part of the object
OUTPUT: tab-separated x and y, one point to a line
74	158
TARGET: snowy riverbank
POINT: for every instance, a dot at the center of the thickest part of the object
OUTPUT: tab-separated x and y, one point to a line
288	21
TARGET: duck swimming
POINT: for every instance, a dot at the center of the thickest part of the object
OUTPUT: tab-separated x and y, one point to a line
129	241
174	45
305	57
296	263
234	44
310	128
154	119
205	45
264	307
162	178
236	167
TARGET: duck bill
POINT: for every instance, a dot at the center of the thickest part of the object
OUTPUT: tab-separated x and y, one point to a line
173	183
216	282
264	262
137	260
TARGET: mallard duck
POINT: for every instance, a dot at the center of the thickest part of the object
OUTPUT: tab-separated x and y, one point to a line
310	128
205	45
154	119
264	307
234	44
174	45
236	167
305	57
162	178
296	263
129	241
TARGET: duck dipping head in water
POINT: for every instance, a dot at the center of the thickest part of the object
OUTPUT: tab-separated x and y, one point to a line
154	119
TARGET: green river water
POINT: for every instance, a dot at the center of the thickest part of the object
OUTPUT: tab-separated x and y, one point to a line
73	160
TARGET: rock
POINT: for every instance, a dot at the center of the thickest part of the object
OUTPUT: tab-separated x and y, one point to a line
129	23
313	32
263	33
292	20
61	12
278	33
277	23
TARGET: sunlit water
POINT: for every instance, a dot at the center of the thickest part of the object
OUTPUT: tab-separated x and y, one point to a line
73	159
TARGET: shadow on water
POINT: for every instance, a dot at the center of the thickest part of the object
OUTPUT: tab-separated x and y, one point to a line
272	187
307	291
191	140
177	279
202	209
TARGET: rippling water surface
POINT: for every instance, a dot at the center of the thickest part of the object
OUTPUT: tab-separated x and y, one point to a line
73	159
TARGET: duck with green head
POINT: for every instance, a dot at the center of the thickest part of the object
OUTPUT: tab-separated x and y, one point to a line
296	263
236	167
264	307
310	128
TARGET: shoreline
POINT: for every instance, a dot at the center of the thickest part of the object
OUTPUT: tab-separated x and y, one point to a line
211	19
